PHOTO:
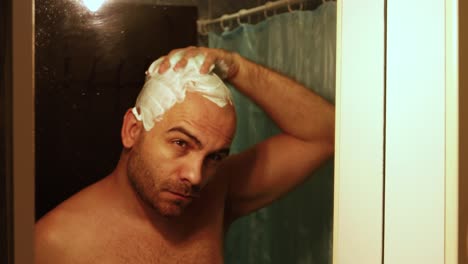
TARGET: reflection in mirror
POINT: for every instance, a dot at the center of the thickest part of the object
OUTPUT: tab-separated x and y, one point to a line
93	5
89	69
301	44
91	57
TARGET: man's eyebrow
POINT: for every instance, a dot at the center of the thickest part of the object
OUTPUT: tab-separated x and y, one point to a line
187	133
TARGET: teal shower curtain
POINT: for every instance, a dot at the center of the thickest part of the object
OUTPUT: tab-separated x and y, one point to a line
298	227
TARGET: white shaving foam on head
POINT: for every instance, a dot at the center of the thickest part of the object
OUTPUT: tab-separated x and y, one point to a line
162	91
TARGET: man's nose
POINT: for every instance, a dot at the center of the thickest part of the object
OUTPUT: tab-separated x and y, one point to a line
192	172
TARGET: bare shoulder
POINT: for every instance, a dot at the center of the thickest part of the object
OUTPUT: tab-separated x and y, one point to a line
62	232
50	237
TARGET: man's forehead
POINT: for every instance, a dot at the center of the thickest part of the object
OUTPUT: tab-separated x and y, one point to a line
202	135
199	115
195	103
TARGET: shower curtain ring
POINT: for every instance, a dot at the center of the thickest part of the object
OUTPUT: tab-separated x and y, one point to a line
239	14
267	6
223	17
226	17
301	6
203	29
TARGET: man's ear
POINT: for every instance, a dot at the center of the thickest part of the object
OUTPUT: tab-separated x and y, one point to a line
131	129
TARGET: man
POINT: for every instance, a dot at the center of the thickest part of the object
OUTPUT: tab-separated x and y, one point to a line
175	191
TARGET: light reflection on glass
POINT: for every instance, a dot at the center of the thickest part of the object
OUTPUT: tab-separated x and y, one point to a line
93	5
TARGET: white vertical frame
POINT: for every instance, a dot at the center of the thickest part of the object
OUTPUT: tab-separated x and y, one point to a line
451	132
421	133
359	137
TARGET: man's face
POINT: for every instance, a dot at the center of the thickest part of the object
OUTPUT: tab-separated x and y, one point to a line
169	165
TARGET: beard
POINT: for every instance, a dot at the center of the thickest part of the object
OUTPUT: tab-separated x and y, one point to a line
146	179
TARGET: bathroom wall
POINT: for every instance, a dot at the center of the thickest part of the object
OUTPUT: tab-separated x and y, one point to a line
214	8
210	9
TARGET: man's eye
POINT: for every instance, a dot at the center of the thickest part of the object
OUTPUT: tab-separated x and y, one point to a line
216	157
180	143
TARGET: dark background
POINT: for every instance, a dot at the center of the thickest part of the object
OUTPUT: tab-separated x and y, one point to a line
6	137
89	70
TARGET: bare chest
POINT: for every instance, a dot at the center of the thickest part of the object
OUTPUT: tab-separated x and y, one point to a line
201	250
139	245
196	238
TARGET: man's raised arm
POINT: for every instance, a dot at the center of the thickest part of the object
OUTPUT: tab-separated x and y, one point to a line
273	167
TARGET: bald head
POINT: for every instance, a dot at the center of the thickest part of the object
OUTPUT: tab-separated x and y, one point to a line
162	91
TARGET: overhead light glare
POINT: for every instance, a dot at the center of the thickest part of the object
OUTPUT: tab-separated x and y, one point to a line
93	5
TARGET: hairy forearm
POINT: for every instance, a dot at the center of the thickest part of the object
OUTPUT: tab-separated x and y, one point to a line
295	109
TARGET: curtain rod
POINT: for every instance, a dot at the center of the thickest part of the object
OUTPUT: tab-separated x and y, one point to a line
202	23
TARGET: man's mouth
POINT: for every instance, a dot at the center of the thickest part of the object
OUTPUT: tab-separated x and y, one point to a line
184	196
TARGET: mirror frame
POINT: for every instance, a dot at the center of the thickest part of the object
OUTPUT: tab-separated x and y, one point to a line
23	129
6	135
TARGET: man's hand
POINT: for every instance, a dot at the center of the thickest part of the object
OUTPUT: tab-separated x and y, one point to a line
226	63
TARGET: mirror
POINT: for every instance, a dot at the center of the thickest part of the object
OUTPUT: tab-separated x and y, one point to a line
90	64
89	69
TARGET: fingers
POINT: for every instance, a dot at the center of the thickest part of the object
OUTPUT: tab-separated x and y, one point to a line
166	63
218	57
189	52
164	66
212	57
